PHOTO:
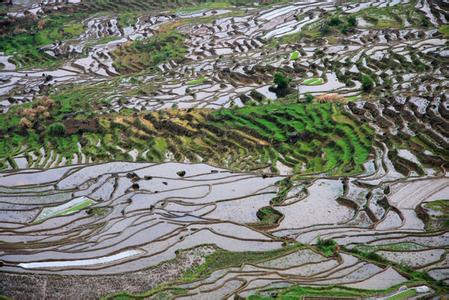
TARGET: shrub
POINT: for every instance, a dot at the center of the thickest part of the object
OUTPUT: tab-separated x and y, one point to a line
425	22
268	215
325	29
367	83
344	29
375	257
25	123
328	247
335	21
281	81
56	129
352	21
309	98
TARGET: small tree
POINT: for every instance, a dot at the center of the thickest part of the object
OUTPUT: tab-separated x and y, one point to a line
56	129
309	98
352	21
281	81
424	22
335	21
325	29
328	247
367	83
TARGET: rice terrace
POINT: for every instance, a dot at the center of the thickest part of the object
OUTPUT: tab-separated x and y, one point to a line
229	149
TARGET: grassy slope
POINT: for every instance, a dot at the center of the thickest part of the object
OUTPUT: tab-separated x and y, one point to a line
24	45
148	53
317	137
403	295
298	292
337	24
24	38
220	259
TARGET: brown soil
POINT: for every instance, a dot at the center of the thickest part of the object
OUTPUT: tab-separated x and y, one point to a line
73	126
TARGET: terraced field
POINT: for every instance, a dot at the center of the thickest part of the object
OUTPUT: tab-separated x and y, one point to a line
224	150
291	139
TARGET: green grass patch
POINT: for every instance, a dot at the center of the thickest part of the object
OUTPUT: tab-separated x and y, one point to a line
327	247
444	30
284	186
268	215
310	31
102	40
197	81
300	292
73	29
403	295
390	247
439	205
354	98
313	81
127	19
415	277
63	210
294	55
221	259
392	17
337	24
202	7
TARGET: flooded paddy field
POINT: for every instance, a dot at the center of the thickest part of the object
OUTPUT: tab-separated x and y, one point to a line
223	150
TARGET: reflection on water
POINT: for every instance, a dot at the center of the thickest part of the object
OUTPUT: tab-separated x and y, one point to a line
26	2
